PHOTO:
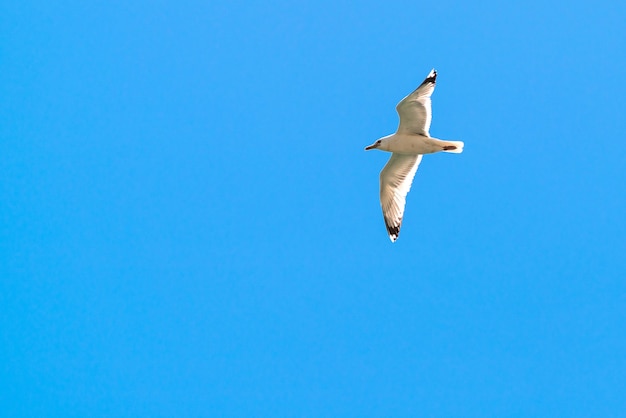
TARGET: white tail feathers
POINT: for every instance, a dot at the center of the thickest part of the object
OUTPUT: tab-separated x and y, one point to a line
455	147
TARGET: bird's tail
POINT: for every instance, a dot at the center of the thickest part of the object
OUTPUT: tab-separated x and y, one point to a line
455	147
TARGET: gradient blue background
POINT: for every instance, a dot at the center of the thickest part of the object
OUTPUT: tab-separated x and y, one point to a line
190	226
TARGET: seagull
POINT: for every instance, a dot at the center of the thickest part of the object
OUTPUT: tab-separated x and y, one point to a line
407	146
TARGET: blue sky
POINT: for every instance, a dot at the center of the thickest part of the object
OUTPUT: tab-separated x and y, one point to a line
190	225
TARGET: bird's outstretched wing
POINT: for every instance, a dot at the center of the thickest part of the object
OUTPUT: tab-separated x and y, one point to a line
395	182
415	110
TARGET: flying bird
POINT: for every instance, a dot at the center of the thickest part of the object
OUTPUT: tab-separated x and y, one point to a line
407	146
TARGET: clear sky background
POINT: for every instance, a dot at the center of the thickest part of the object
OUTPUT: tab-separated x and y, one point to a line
190	225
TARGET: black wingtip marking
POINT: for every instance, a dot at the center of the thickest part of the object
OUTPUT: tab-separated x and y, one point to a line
431	79
393	231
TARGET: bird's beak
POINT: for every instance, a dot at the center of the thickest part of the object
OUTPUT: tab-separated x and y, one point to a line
373	146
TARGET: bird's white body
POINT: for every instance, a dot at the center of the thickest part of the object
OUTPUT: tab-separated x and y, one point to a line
407	145
417	144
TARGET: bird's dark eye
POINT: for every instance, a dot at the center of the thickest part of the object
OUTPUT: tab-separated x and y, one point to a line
379	141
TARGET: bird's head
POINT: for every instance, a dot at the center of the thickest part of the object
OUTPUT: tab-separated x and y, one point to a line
377	144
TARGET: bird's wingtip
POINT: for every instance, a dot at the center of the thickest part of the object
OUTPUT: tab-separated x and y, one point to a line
393	232
431	77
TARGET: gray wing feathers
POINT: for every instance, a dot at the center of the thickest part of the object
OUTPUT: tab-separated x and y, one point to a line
395	182
415	109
